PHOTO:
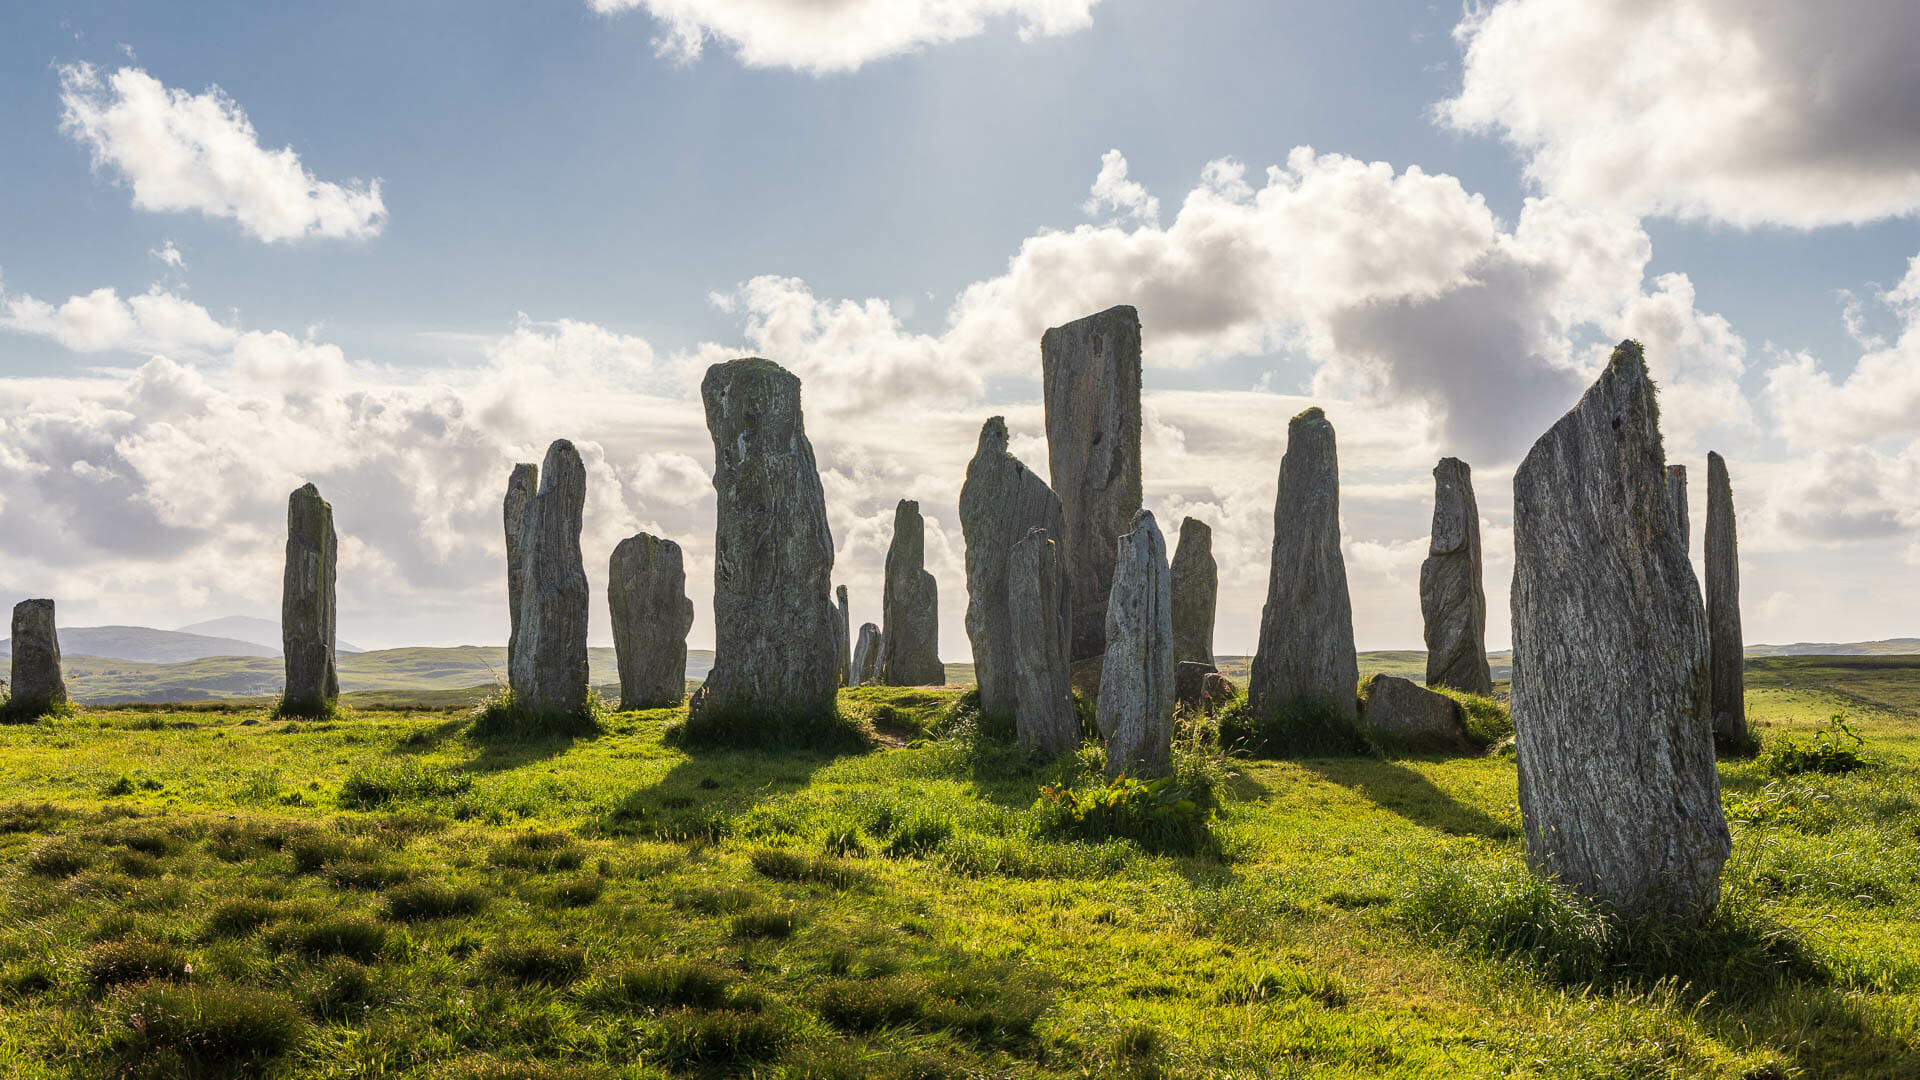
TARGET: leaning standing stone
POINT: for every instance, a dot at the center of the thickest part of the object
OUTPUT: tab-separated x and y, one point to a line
1001	502
37	682
647	599
1135	710
1196	589
1725	645
521	488
1091	371
548	669
866	656
776	647
910	607
846	635
1677	503
1306	654
1618	790
307	606
1453	604
1036	586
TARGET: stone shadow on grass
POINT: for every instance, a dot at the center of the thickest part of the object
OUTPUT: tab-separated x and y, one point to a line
700	798
1407	792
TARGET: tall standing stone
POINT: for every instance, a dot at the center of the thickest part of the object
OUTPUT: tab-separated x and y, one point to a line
846	635
1044	716
1091	372
866	656
521	488
1726	647
1618	790
647	599
1196	592
548	665
1306	655
1677	503
1000	503
1135	708
910	606
37	683
776	631
1453	603
307	605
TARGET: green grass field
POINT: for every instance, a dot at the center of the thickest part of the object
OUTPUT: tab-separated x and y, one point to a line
213	893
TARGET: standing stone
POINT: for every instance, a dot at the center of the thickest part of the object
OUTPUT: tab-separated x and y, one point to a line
1190	679
1452	602
37	684
846	635
1306	654
307	606
1401	715
1726	647
647	599
776	631
548	668
1036	591
1001	502
1677	503
1618	790
1196	590
910	606
1091	371
1135	709
866	656
521	488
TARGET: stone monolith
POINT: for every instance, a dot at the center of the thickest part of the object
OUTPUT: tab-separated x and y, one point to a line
1196	592
866	656
1091	374
1000	503
548	669
307	612
1306	657
1677	503
1453	603
37	683
1618	789
1135	707
776	631
1726	647
1044	716
651	612
846	634
522	485
910	606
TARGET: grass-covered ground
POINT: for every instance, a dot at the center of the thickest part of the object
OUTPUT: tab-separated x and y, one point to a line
382	895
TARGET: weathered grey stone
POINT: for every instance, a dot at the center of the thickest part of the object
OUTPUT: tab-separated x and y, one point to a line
866	656
1403	715
846	634
910	607
1306	654
1453	603
307	610
1218	690
776	631
1190	680
1036	591
37	684
1135	709
548	668
1618	790
1677	503
1726	646
1091	372
521	488
647	600
1196	590
1001	501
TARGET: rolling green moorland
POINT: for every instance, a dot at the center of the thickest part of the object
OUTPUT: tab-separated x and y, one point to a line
213	892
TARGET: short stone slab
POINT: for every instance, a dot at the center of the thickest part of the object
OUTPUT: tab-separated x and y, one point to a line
1401	714
1190	683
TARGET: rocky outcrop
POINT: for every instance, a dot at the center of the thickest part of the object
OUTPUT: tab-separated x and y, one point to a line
1401	715
522	485
1135	708
1036	590
846	634
1196	588
1001	502
1618	789
1306	657
37	684
307	611
776	631
866	656
1091	374
548	668
651	612
1726	646
910	607
1453	603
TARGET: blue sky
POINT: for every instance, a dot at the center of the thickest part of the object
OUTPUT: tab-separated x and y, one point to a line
573	218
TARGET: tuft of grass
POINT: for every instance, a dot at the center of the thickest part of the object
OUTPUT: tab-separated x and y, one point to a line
1297	729
537	853
59	858
692	1037
340	988
240	916
31	817
533	962
673	984
378	786
577	892
781	864
766	923
420	900
159	1029
308	709
1488	720
339	935
113	963
825	733
500	717
1159	815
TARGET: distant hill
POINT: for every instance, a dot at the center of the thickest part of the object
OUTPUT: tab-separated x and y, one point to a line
1904	646
259	631
147	645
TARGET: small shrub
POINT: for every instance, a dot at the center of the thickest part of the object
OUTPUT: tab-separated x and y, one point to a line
162	1028
1159	815
535	962
690	1037
1298	729
783	865
537	853
239	916
1835	750
343	935
60	858
429	900
767	923
112	963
